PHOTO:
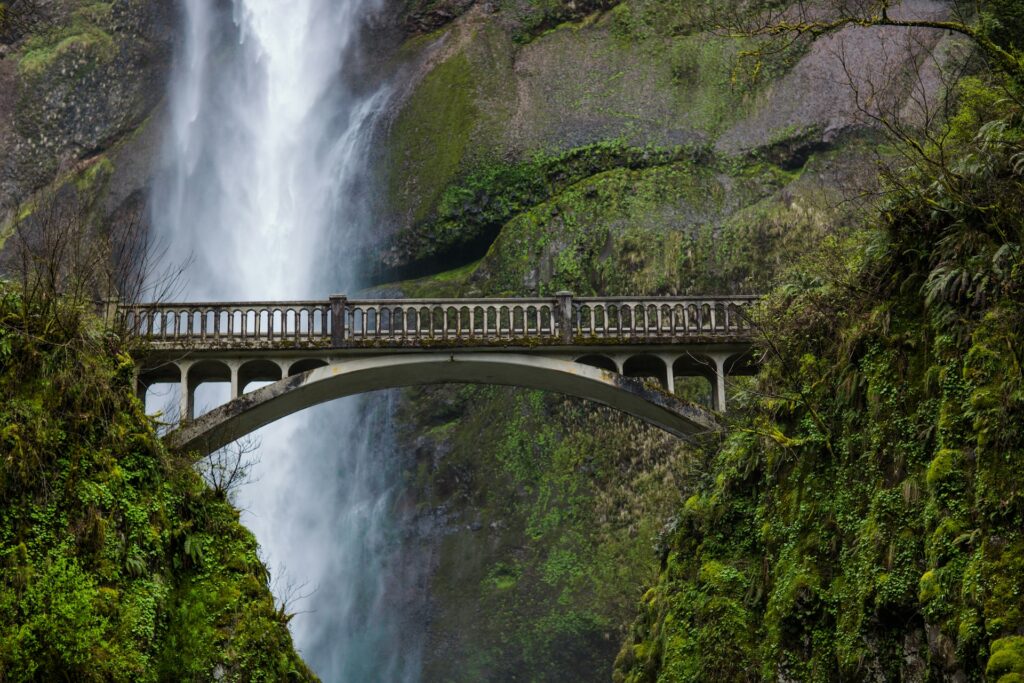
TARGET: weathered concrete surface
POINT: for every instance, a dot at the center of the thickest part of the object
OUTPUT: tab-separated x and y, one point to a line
249	412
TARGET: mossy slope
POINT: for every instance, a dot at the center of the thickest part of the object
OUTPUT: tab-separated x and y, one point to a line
117	561
865	519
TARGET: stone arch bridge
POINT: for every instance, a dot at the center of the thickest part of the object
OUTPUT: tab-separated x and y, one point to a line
599	349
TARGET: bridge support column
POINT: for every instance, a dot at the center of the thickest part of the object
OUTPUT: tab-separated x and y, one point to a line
620	363
670	378
186	407
718	398
236	389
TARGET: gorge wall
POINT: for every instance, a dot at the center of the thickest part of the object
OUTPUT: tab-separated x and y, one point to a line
621	147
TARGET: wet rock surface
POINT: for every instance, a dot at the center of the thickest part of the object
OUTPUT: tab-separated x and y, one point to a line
78	88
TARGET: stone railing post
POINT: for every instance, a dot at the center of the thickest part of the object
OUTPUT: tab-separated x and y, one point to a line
338	302
564	313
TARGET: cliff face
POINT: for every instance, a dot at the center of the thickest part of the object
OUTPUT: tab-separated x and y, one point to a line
80	80
496	105
607	149
858	528
863	520
118	562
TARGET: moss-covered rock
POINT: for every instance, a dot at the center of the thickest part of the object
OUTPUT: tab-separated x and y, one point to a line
647	73
83	80
872	491
117	561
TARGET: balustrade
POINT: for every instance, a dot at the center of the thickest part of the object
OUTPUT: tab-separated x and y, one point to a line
341	321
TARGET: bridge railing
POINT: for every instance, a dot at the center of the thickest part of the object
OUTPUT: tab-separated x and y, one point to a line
340	321
621	317
277	321
451	319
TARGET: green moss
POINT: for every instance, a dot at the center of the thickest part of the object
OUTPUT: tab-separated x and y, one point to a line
503	577
1006	660
928	586
84	36
117	561
940	468
430	136
95	174
875	388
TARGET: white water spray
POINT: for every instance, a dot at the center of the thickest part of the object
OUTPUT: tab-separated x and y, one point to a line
266	149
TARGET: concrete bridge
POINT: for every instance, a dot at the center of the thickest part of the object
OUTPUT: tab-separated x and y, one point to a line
599	349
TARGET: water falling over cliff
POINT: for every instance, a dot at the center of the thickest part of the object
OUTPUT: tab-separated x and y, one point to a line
259	187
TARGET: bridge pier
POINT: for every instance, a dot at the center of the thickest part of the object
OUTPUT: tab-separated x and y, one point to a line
187	399
236	387
670	375
718	397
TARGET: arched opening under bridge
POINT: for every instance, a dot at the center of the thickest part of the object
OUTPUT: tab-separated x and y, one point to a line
294	392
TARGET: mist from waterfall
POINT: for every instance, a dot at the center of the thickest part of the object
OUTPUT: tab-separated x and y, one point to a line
261	187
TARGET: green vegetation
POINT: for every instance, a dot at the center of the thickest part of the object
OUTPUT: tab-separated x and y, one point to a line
487	198
612	219
117	561
85	35
865	517
434	128
531	18
566	507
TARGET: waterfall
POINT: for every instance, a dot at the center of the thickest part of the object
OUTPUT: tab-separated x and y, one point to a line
259	190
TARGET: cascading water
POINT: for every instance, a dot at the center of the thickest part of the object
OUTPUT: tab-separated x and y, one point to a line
259	188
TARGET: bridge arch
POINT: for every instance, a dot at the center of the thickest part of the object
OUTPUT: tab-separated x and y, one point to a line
257	370
349	376
598	361
647	365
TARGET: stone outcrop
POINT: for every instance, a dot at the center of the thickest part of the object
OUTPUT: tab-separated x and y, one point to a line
78	90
